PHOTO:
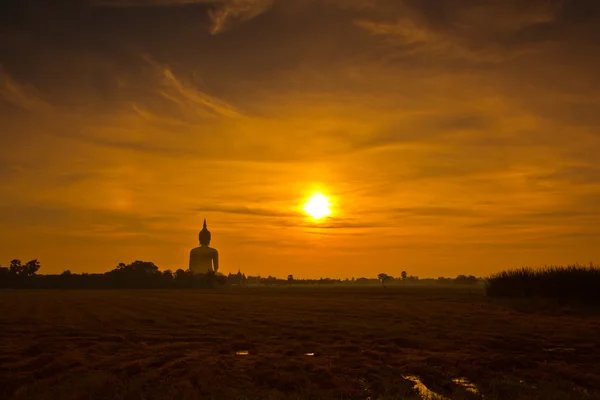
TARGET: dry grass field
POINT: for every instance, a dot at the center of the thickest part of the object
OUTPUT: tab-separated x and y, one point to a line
301	343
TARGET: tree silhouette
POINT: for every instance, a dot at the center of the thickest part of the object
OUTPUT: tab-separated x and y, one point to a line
31	267
142	267
465	280
384	278
404	275
15	267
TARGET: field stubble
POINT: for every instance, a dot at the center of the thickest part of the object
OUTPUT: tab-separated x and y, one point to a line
301	343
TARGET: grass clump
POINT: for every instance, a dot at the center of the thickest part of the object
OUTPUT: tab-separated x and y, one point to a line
570	284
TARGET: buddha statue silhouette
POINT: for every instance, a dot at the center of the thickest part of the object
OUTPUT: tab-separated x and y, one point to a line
204	259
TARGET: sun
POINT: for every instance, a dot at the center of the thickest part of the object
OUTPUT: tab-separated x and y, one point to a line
317	206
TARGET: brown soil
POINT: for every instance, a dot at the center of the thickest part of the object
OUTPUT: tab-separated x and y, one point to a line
182	345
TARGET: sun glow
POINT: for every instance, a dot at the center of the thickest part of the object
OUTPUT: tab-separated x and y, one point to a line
317	206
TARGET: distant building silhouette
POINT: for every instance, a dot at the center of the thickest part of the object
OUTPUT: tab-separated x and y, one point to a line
204	259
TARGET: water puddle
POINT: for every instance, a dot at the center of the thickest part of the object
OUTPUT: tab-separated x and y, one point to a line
309	354
467	385
522	382
364	386
424	392
242	353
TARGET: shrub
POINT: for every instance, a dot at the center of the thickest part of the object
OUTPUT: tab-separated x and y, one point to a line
574	283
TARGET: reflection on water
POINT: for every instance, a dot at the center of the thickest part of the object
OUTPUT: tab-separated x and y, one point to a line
242	353
522	382
424	392
309	354
468	385
364	385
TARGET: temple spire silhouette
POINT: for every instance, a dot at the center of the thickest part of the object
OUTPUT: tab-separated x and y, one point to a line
204	259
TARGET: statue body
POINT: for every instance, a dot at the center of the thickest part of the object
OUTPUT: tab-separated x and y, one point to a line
204	259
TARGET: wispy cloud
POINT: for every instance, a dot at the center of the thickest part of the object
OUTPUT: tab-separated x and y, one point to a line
177	91
188	96
259	212
223	13
437	212
228	12
477	32
19	95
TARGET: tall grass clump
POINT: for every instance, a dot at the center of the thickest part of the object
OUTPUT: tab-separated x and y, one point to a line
573	283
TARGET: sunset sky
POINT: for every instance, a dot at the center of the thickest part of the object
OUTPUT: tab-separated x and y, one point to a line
452	136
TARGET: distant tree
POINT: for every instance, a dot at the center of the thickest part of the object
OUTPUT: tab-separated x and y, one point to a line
384	278
31	267
465	280
167	278
138	274
184	279
404	275
211	278
290	278
179	274
144	267
15	267
66	273
4	274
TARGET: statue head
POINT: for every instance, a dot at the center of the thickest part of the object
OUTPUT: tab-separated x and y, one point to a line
204	235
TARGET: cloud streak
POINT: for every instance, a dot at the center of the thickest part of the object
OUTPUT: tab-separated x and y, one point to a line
228	12
239	210
223	14
23	97
187	96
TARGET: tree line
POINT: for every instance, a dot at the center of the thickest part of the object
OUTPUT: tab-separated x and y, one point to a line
136	275
145	274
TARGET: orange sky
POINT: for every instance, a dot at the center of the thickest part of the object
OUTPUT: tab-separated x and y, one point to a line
452	136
